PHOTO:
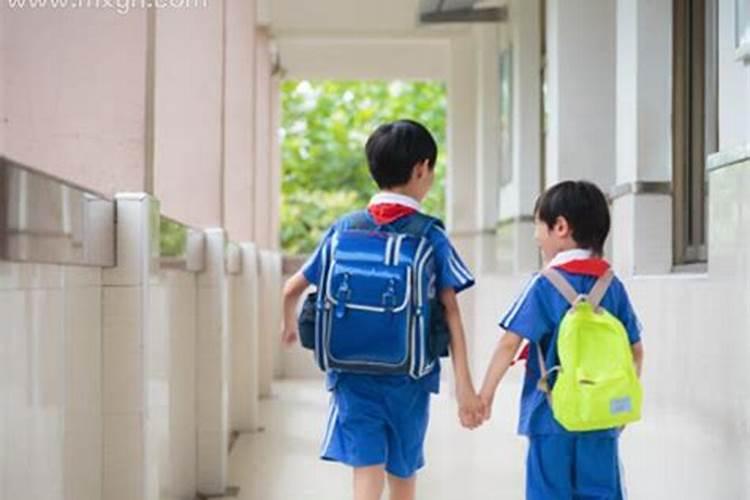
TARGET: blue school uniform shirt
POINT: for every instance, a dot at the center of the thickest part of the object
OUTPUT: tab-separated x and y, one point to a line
536	316
450	272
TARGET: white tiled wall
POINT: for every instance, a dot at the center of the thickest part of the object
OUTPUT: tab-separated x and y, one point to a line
117	383
270	306
213	368
181	302
129	370
50	391
245	355
171	416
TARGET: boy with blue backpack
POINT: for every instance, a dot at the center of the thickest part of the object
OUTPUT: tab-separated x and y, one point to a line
584	353
383	313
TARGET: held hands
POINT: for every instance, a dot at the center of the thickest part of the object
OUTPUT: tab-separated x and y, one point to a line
471	409
487	398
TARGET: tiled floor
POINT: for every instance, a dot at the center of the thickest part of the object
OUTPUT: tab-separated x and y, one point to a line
281	463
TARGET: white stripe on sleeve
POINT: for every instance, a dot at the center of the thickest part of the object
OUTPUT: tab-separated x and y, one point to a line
456	273
461	266
511	314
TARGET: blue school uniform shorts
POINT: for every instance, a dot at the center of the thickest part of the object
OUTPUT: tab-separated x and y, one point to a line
377	420
573	467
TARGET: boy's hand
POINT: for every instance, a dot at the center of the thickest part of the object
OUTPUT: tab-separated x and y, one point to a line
470	410
292	291
487	400
289	335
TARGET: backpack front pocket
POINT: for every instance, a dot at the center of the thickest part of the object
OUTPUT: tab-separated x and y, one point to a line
369	318
586	402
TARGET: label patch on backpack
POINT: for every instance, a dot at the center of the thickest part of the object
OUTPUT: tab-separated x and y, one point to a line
621	405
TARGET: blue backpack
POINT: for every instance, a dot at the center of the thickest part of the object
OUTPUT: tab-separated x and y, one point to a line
375	309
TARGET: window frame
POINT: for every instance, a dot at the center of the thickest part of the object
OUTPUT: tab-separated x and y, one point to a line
695	123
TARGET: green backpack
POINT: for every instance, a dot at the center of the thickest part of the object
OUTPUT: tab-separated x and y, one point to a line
597	386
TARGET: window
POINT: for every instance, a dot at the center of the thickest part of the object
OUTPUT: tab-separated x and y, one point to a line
695	122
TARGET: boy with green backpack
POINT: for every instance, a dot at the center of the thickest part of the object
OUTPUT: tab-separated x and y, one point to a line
584	353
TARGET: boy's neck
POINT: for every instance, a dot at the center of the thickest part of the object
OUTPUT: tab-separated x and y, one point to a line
568	254
403	191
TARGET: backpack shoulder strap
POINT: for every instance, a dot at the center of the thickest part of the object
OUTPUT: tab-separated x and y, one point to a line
561	284
594	297
355	220
419	224
600	289
565	289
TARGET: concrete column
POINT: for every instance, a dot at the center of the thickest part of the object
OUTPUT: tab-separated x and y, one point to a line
462	174
262	199
188	113
274	208
517	250
461	207
581	91
487	144
132	403
642	209
239	118
213	384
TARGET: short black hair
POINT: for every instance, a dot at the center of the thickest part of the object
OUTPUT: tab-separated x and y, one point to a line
395	148
584	207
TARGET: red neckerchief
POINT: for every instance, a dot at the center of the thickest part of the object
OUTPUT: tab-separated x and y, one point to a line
595	267
385	213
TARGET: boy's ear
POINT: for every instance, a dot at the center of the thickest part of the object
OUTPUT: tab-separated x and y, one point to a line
421	169
561	227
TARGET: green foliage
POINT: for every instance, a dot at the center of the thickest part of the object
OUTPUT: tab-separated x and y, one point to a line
324	129
172	238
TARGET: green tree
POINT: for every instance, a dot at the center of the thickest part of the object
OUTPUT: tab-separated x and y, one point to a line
325	126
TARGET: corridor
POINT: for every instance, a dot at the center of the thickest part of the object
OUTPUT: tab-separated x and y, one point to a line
282	462
142	171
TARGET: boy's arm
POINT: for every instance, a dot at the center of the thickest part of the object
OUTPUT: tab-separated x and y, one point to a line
637	349
470	406
293	288
503	357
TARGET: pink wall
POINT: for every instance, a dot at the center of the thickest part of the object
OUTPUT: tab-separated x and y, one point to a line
188	114
74	94
78	99
239	153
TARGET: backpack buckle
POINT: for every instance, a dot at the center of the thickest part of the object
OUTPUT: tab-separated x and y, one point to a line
344	292
389	297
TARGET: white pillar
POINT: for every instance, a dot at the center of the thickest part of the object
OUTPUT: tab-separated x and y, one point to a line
487	145
642	209
269	301
461	177
245	359
518	252
213	368
581	91
130	400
